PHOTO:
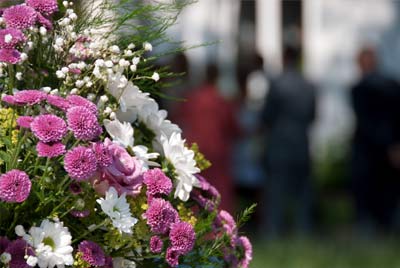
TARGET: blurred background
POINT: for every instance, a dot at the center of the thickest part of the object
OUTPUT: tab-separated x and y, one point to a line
297	106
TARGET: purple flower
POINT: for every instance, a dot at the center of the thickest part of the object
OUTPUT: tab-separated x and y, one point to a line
18	249
75	188
46	7
44	21
50	150
108	263
182	237
157	182
4	242
25	121
227	222
49	128
80	163
76	100
156	244
207	196
10	55
172	257
124	173
20	17
15	186
103	156
80	213
16	36
160	216
247	248
83	123
92	253
58	102
29	97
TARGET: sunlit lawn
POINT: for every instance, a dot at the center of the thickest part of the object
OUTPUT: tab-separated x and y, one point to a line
328	253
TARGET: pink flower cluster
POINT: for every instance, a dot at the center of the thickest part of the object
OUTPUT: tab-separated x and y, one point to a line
164	220
19	18
92	253
50	129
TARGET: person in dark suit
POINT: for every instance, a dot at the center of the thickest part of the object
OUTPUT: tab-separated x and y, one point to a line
288	114
375	182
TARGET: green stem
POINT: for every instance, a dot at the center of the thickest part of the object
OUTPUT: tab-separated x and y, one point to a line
103	223
11	78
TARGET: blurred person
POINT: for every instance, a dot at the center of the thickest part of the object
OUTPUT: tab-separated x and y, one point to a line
288	113
375	179
208	119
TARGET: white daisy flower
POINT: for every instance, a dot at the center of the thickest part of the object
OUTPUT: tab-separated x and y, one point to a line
118	210
183	161
141	153
51	242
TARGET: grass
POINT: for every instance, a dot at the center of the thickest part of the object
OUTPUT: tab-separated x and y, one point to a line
327	253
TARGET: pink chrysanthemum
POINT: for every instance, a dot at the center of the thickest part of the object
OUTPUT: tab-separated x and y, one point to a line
15	186
49	128
80	213
58	102
172	257
20	17
45	22
160	216
92	253
157	182
156	244
29	97
103	156
182	237
46	7
25	121
18	249
8	99
8	55
247	248
83	123
80	163
50	150
76	100
227	222
16	36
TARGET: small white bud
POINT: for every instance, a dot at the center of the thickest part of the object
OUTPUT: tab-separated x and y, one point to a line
24	56
54	91
42	30
73	35
123	63
147	46
107	110
155	76
104	99
73	16
19	230
59	41
109	64
128	53
99	62
133	68
74	91
115	49
89	84
91	96
113	116
79	83
7	38
135	60
65	3
131	46
60	74
81	65
65	70
18	75
32	261
30	44
46	89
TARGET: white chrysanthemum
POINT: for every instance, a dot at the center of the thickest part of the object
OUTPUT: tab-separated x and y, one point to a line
51	242
183	160
158	123
118	210
121	133
141	153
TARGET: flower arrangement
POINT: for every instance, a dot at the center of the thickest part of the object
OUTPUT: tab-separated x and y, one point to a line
92	173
